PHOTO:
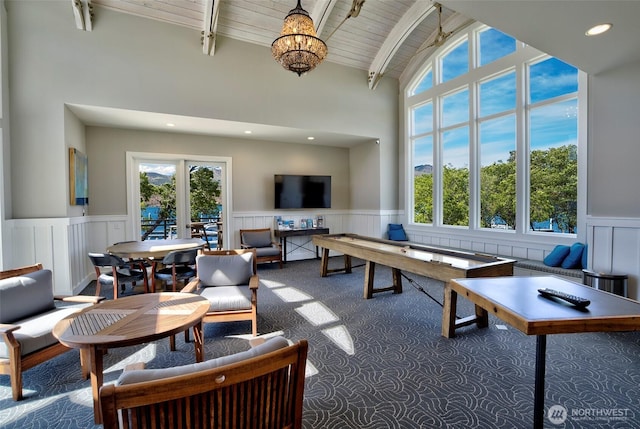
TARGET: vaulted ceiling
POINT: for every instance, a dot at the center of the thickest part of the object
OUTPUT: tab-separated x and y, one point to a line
384	38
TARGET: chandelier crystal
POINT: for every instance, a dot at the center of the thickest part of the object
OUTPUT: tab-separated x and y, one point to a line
298	48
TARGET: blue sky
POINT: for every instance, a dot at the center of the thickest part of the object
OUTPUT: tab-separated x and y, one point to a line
552	125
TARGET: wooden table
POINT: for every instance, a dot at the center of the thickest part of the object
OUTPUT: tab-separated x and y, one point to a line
432	262
153	249
129	321
283	234
516	301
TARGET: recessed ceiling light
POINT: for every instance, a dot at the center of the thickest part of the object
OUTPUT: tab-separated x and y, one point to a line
311	138
598	29
248	132
170	124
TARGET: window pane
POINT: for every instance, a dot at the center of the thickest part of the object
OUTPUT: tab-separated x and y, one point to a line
498	173
551	78
554	167
494	45
455	108
423	180
455	177
498	95
423	119
425	83
456	62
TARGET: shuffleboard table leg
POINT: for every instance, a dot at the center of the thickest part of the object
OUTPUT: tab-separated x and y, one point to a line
449	312
324	264
397	280
369	274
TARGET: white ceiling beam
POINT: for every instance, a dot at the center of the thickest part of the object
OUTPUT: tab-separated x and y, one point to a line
211	11
83	14
409	21
321	12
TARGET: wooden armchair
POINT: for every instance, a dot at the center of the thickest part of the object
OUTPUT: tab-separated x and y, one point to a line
229	280
260	239
28	313
262	387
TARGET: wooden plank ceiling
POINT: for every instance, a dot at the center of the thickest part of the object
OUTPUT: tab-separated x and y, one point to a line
382	39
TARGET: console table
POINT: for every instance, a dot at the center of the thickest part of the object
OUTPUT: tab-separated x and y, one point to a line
283	234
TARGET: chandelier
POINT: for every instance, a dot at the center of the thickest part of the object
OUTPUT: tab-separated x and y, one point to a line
298	49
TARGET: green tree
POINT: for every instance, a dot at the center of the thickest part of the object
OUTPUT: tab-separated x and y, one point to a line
423	198
455	195
205	193
498	192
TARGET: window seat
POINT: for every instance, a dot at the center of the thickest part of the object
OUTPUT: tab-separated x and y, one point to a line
529	267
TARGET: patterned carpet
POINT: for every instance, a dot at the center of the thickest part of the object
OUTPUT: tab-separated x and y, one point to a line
378	363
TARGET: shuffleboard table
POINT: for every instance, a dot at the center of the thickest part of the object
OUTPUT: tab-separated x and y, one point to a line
432	262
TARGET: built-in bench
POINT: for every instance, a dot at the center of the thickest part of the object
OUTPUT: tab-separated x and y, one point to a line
529	267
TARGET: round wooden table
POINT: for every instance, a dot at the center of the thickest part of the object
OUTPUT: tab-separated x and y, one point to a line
129	321
153	249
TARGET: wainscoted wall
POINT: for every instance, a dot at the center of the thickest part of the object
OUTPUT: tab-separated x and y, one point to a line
62	244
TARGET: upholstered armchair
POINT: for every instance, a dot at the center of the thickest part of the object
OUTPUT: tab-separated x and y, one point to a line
229	280
28	312
267	250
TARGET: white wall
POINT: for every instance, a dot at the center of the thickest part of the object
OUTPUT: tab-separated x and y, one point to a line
139	64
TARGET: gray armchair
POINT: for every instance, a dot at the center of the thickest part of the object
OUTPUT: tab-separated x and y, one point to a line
229	280
260	239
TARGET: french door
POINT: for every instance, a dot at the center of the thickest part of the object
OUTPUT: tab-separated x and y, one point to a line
169	192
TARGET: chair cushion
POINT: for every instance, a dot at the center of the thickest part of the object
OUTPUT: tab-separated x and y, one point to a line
35	332
226	298
267	251
396	232
141	375
256	238
557	255
574	258
26	295
224	270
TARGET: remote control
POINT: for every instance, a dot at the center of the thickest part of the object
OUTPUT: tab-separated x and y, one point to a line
575	300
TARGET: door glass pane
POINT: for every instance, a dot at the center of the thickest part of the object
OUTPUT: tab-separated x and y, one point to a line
157	200
205	201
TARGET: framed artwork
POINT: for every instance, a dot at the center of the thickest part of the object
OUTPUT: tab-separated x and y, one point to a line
78	178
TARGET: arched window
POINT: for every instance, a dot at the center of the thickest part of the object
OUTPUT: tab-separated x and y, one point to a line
492	143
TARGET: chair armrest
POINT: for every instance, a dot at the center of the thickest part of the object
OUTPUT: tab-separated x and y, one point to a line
254	282
134	366
277	244
7	329
246	246
79	298
191	287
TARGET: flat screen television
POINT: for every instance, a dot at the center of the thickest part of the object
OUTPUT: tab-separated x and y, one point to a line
302	192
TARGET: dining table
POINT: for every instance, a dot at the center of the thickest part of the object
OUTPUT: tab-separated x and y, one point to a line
153	251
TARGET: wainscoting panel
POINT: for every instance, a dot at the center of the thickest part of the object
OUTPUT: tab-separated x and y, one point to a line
62	244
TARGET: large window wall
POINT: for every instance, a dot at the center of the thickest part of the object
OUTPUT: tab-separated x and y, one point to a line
492	145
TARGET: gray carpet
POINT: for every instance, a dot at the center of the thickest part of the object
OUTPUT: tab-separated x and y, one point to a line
378	363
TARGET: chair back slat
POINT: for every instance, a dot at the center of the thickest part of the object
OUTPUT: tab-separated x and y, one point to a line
264	391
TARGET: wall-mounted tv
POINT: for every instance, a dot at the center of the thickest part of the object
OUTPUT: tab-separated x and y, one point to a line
302	192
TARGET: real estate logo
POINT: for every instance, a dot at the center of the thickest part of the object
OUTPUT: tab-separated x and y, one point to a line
557	414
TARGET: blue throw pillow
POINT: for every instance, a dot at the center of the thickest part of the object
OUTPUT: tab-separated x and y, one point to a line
574	258
557	255
396	232
585	259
